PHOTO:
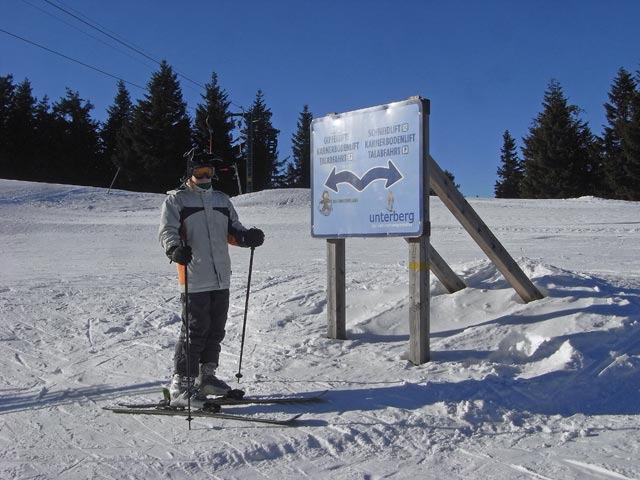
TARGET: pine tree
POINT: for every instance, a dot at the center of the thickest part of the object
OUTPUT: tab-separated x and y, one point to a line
119	122
560	159
7	92
217	134
299	171
160	134
81	163
631	151
21	141
619	114
261	146
48	148
510	173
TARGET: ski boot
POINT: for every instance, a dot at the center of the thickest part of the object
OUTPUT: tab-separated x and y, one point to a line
208	383
180	393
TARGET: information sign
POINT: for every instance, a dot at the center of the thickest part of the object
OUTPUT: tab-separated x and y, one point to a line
367	171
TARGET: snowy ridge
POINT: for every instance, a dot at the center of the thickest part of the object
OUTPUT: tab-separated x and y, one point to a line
294	197
549	389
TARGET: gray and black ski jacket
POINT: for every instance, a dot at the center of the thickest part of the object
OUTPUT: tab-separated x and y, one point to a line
207	222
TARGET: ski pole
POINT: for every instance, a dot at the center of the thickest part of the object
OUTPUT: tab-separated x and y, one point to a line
246	309
188	341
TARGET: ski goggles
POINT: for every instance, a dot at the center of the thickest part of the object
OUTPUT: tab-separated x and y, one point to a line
202	172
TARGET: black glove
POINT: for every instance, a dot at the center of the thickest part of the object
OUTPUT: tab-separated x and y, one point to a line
253	237
181	254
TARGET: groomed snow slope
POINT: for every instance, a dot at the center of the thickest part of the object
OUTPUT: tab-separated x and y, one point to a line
546	390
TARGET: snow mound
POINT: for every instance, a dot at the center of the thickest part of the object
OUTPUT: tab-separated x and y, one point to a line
73	197
518	346
593	199
289	197
588	198
564	358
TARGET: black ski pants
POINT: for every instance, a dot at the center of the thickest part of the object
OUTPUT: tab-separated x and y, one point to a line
207	319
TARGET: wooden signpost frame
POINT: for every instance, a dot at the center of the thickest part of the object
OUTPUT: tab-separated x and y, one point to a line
423	259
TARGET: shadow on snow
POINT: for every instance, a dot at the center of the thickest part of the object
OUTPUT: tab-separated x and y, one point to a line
15	401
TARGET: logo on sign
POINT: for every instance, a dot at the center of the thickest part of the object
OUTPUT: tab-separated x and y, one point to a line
325	206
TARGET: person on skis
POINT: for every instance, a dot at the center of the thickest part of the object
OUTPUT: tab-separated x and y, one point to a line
197	224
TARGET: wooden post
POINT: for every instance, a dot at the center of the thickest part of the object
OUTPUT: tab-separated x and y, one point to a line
479	231
419	348
443	271
336	291
419	294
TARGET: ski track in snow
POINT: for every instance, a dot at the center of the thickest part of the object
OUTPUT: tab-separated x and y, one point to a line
546	390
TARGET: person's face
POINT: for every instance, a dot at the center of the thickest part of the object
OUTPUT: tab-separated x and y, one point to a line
202	174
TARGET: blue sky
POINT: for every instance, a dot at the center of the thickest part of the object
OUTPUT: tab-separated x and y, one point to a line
483	64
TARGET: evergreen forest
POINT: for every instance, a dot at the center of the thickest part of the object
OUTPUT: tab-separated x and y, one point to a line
563	158
141	145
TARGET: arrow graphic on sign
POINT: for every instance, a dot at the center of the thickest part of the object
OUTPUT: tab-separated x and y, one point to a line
390	173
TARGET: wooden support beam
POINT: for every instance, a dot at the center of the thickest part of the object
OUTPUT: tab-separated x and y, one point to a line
445	274
443	271
479	231
336	289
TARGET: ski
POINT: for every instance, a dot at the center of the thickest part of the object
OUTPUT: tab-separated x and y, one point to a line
238	401
266	400
287	422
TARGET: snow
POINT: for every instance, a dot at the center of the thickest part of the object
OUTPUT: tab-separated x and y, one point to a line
544	390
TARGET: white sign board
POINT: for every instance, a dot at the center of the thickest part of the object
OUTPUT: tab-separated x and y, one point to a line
367	171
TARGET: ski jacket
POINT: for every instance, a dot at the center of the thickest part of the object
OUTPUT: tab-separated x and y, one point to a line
207	222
